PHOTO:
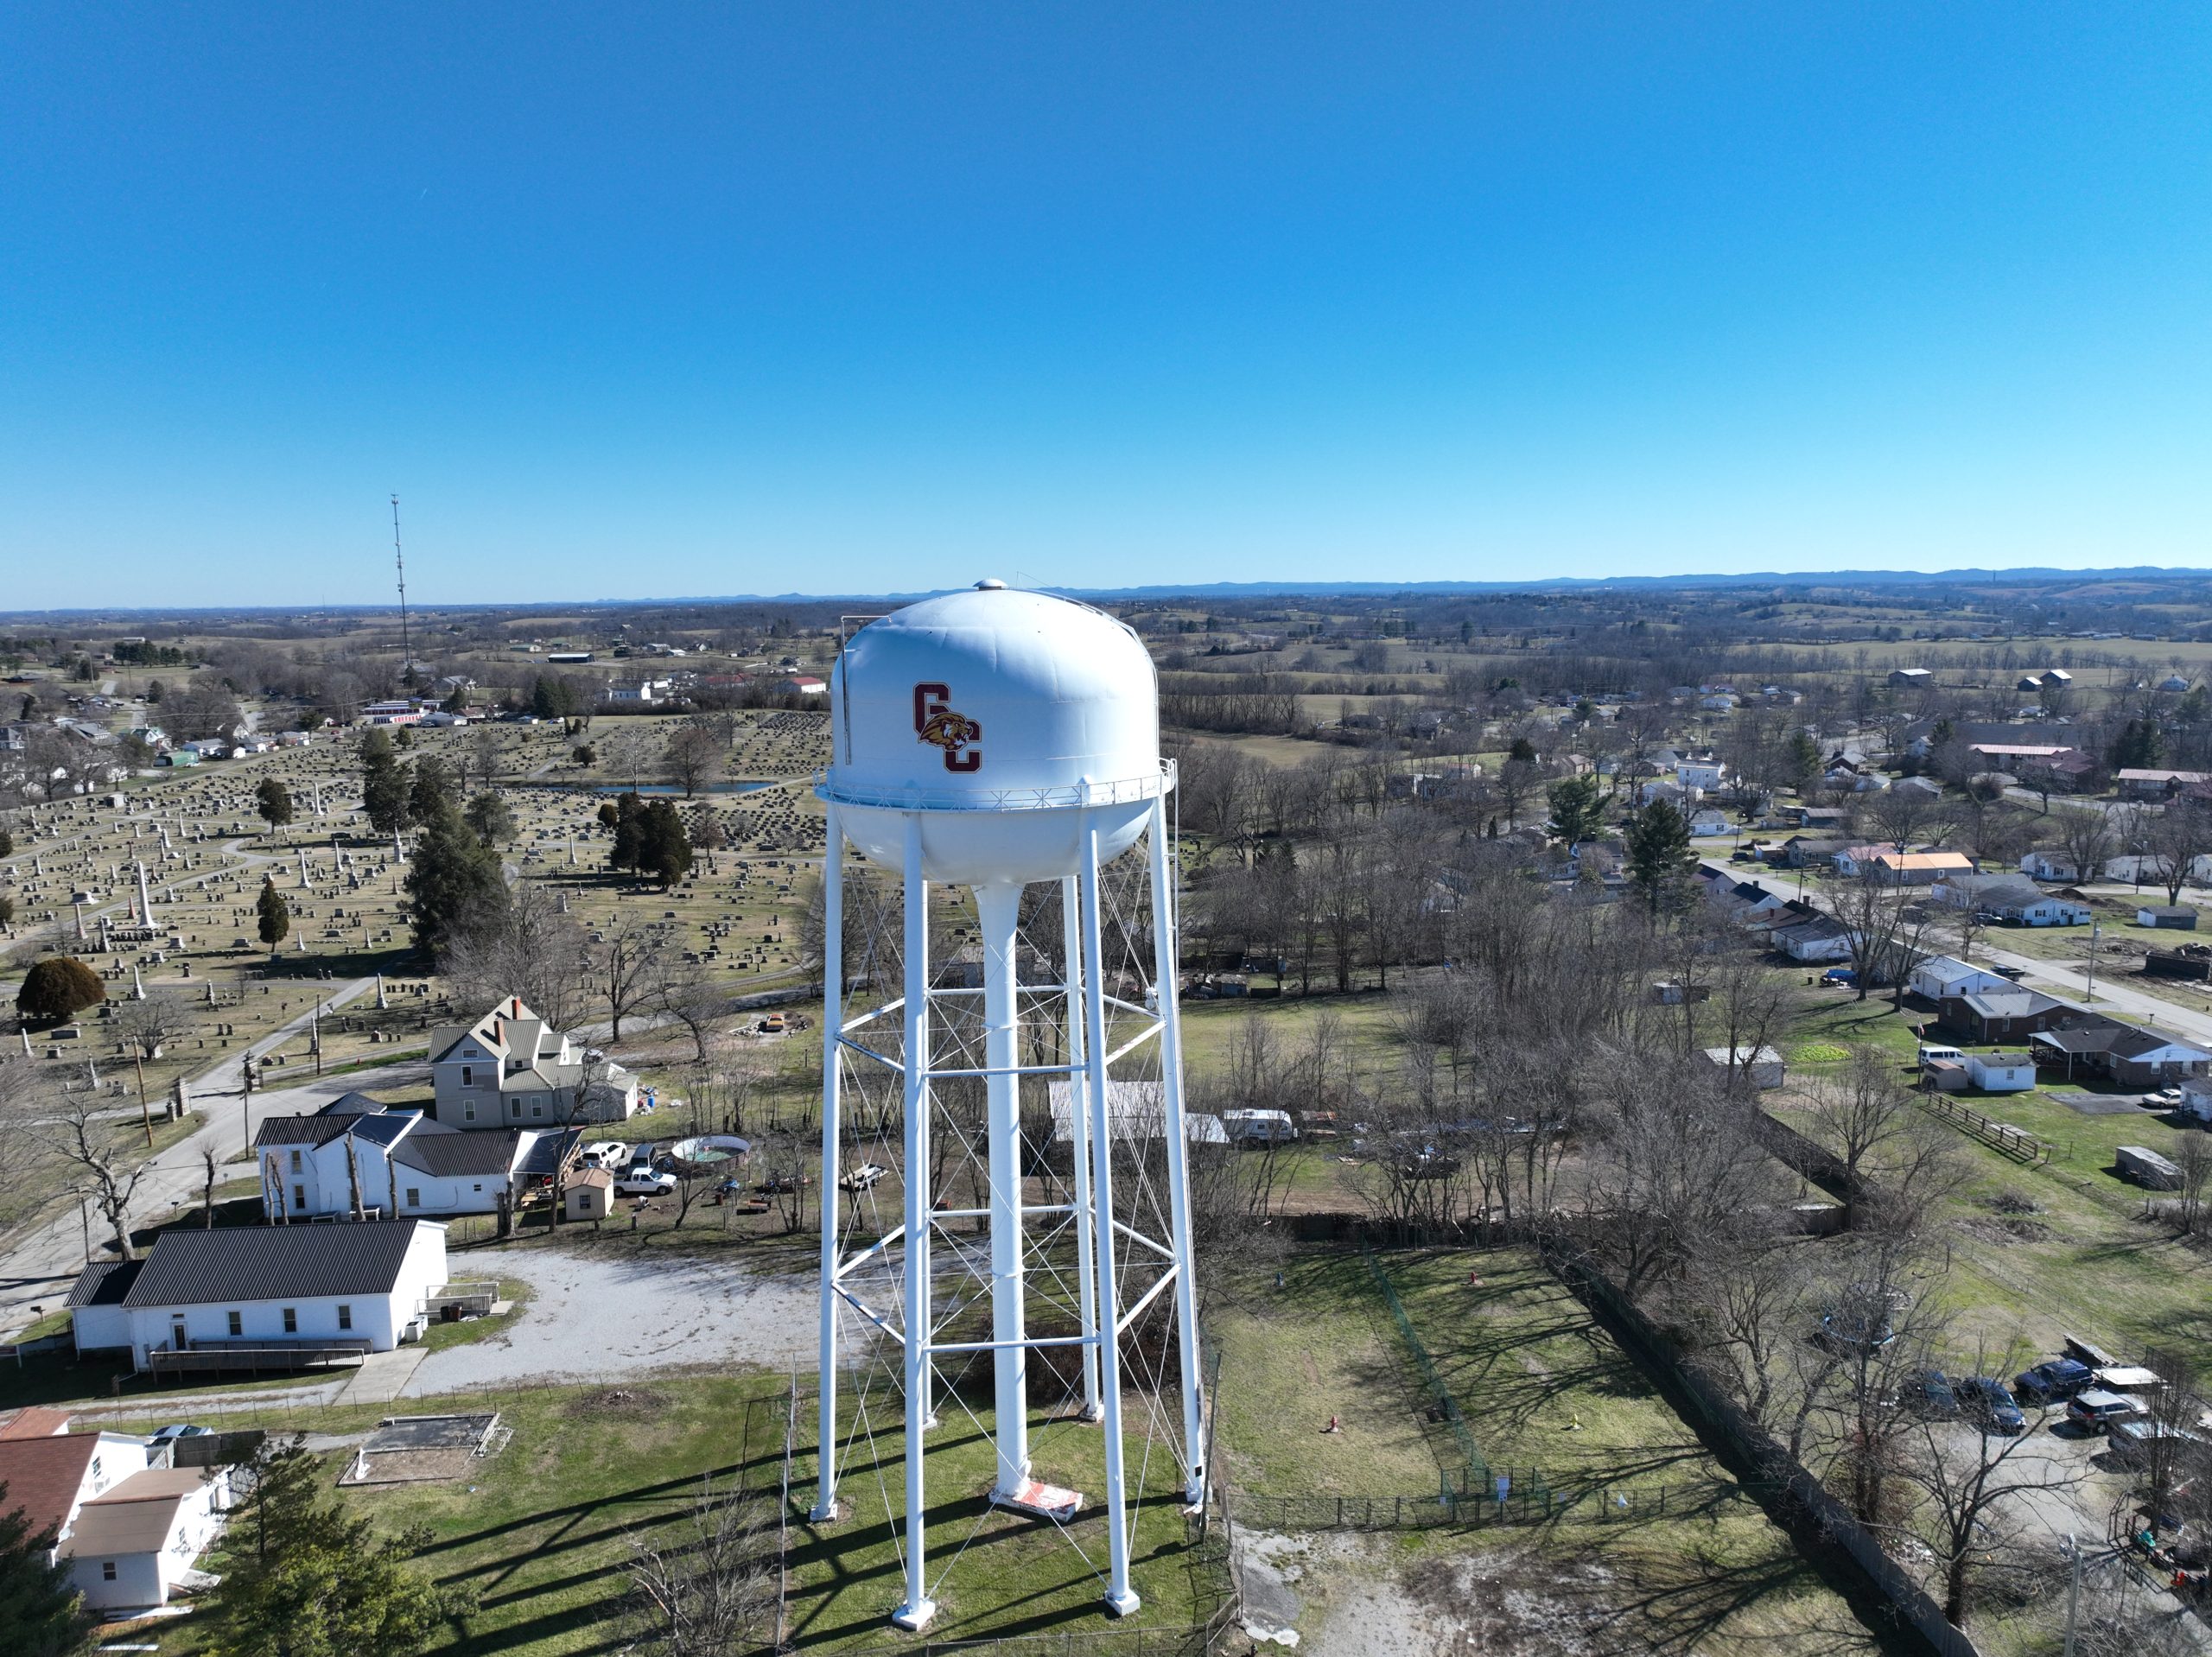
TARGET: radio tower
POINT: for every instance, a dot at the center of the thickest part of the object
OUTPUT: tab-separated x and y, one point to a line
406	647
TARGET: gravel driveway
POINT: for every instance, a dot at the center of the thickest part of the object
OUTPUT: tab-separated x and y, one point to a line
604	1314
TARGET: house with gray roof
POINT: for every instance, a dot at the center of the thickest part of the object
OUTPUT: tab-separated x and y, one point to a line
390	1163
280	1295
510	1070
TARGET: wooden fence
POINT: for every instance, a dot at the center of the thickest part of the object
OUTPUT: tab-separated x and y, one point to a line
2003	1138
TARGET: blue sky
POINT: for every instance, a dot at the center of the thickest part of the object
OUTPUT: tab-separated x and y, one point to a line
643	301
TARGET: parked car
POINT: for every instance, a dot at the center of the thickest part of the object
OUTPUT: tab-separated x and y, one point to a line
1984	1400
605	1153
2097	1409
1930	1394
169	1435
2047	1383
2135	1441
2015	974
2163	1099
644	1181
1843	975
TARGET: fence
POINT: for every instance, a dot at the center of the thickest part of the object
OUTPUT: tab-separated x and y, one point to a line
1529	1500
2016	1143
1753	1447
1448	1407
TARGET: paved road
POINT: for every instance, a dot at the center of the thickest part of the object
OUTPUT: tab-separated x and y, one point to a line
37	1270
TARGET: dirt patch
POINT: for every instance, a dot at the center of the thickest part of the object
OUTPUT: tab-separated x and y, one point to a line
622	1401
2010	1228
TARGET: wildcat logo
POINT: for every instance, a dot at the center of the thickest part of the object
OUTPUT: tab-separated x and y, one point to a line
937	724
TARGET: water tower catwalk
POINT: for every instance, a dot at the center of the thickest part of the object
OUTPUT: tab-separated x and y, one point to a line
1005	1188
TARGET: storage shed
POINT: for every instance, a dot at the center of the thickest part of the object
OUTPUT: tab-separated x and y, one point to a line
2178	917
590	1195
2147	1168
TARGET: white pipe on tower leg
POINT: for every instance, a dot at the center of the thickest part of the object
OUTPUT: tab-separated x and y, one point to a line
1121	1599
998	913
1167	975
915	1612
833	1019
1079	1135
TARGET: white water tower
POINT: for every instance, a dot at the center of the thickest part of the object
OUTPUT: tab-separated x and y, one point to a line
998	739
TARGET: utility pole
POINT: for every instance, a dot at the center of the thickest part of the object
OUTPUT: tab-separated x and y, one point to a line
400	558
2092	958
2073	1590
145	1112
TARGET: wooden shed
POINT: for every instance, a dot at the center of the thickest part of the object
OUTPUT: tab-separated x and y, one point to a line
590	1195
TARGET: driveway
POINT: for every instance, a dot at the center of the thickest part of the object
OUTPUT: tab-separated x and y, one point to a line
613	1310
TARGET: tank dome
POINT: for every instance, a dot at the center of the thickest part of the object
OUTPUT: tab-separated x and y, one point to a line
1000	717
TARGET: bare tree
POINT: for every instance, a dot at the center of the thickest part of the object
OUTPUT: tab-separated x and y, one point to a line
709	1589
686	994
2176	838
1872	912
1969	1518
2086	837
530	949
693	754
82	1141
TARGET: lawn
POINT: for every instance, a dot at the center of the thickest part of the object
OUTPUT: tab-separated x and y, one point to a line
1542	1387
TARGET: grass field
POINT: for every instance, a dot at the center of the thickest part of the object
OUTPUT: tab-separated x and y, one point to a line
1542	1386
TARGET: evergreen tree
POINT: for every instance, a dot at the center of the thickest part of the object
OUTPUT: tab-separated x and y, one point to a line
303	1578
430	790
6	844
275	915
38	1608
1577	810
58	987
384	783
274	801
2138	746
664	849
629	832
487	814
1801	760
1659	855
1523	750
454	882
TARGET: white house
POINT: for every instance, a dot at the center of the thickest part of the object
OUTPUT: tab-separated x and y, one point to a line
127	1550
263	1287
1999	1071
1709	820
508	1069
1699	774
1946	975
2196	1097
2049	865
398	1163
1820	938
125	1530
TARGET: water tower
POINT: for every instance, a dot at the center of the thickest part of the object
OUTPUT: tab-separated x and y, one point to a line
1002	740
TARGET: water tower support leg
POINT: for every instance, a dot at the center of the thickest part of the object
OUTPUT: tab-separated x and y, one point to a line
833	1017
1079	1137
1167	975
1121	1599
915	1611
998	910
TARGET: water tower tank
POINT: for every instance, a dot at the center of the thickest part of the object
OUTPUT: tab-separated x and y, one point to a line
999	719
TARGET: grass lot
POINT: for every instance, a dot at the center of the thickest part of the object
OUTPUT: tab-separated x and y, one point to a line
2078	1259
1712	1574
990	1571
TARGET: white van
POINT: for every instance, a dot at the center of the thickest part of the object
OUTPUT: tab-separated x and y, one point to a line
1948	1055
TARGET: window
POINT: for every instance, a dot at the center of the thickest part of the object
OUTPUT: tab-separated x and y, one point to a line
413	1196
238	1324
345	1317
478	1186
107	1570
469	1110
469	1076
299	1197
537	1106
291	1320
295	1162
